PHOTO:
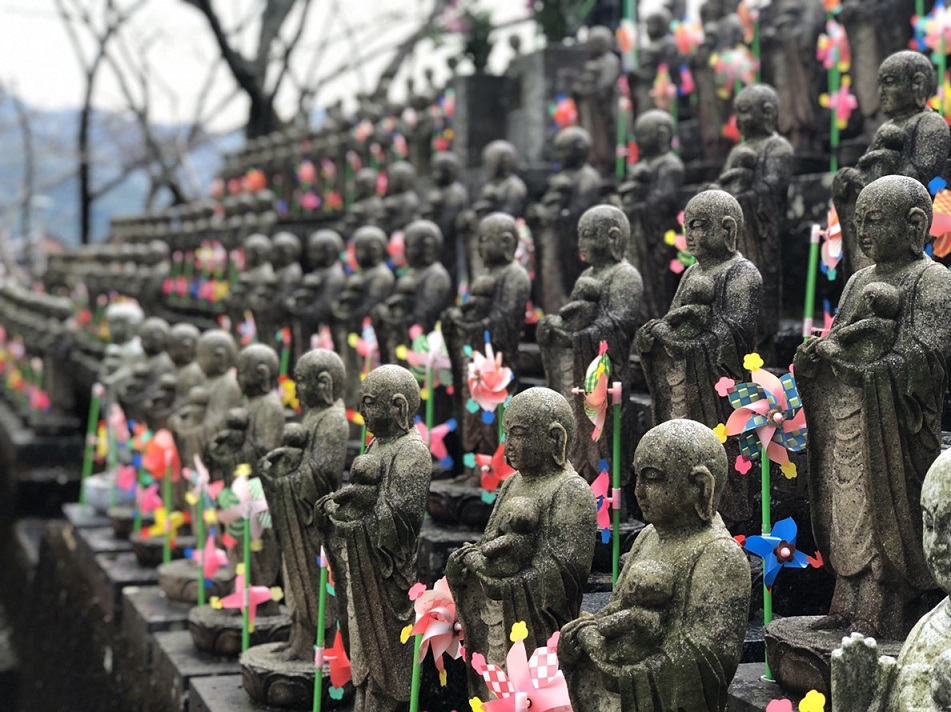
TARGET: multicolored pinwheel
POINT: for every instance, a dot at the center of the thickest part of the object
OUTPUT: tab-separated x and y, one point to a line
366	346
842	102
832	49
437	440
244	502
436	623
494	468
933	31
488	380
596	390
428	352
831	250
687	36
678	240
777	550
732	68
536	683
165	524
664	90
768	416
246	598
606	498
564	112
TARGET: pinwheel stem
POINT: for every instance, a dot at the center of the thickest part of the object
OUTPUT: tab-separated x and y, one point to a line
167	497
942	69
835	82
500	413
810	300
246	622
137	507
90	451
630	13
112	463
620	162
200	524
321	642
756	46
285	355
417	670
616	484
767	527
429	404
920	8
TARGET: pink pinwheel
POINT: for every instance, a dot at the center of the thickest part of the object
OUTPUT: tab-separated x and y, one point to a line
322	339
119	425
396	249
534	683
768	414
328	169
39	400
937	27
843	103
732	67
126	477
256	595
436	622
366	345
148	499
831	250
437	439
201	483
244	501
687	35
428	353
495	469
363	131
307	172
664	90
606	498
211	557
488	379
833	47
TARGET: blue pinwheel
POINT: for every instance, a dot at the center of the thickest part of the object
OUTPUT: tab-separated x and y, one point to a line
777	550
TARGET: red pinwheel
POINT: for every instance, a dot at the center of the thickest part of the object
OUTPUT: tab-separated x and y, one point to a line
606	498
564	112
340	669
768	413
777	550
256	595
534	683
436	622
214	558
162	456
495	470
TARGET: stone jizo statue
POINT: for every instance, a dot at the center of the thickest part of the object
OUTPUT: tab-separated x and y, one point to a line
311	302
595	94
672	634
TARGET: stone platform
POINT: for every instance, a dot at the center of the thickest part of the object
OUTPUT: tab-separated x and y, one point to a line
177	664
750	693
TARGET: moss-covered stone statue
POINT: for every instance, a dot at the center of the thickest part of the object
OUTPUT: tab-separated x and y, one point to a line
672	634
921	677
533	561
711	325
913	142
604	306
874	390
372	531
295	476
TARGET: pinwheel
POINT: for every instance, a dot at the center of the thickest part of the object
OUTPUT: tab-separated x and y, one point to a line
202	489
564	112
436	623
126	478
687	36
664	91
209	559
362	131
933	31
217	188
166	524
161	456
494	468
488	380
307	172
596	390
148	498
814	701
310	202
396	250
832	49
832	244
340	669
400	147
606	498
733	68
322	339
678	240
428	353
287	390
247	329
328	169
777	550
255	180
534	683
626	38
118	424
842	103
39	400
246	598
436	438
687	84
244	502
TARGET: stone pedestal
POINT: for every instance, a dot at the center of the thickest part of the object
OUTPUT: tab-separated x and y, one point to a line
269	680
100	495
218	632
799	656
177	664
150	550
179	581
114	572
122	521
750	693
221	693
82	516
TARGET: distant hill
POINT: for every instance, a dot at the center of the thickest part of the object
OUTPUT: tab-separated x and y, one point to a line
115	137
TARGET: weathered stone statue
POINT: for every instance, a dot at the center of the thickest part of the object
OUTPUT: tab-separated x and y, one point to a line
921	677
604	305
709	329
721	31
258	369
757	173
554	221
217	353
182	347
913	142
143	387
651	200
497	305
373	550
874	399
595	94
447	200
287	275
367	207
310	304
545	592
364	289
672	634
124	350
402	203
421	293
295	477
503	192
256	287
661	50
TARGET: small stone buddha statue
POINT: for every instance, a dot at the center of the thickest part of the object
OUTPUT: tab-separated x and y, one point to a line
310	303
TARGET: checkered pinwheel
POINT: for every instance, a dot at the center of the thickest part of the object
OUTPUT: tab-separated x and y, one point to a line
436	621
768	416
244	501
534	683
596	390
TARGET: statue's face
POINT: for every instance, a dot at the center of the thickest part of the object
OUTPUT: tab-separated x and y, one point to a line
153	339
527	448
662	493
750	115
702	232
594	242
211	358
182	348
419	250
881	231
249	379
443	172
657	26
492	244
368	252
936	514
570	152
896	91
378	414
120	329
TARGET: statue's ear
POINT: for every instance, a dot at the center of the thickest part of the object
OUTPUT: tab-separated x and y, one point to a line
559	440
728	223
918	83
325	388
402	410
704	484
918	220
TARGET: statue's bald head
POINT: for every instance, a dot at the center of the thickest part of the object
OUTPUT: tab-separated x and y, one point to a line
539	426
723	217
217	352
316	369
540	407
390	400
911	70
901	203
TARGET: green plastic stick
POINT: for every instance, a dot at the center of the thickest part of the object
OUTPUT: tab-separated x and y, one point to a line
767	526
167	496
810	300
246	620
321	616
137	511
619	165
417	669
835	83
201	551
429	405
942	70
91	426
616	485
630	13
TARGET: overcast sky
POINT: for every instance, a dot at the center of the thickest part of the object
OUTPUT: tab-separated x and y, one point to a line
38	61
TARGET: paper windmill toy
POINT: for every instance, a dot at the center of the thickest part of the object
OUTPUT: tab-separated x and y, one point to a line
596	390
832	48
340	668
933	31
777	550
437	439
831	250
161	456
366	346
767	414
287	390
201	484
534	683
664	90
256	595
842	102
733	67
247	329
687	36
606	499
564	112
211	557
428	352
488	381
242	502
677	239
165	523
436	623
494	468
